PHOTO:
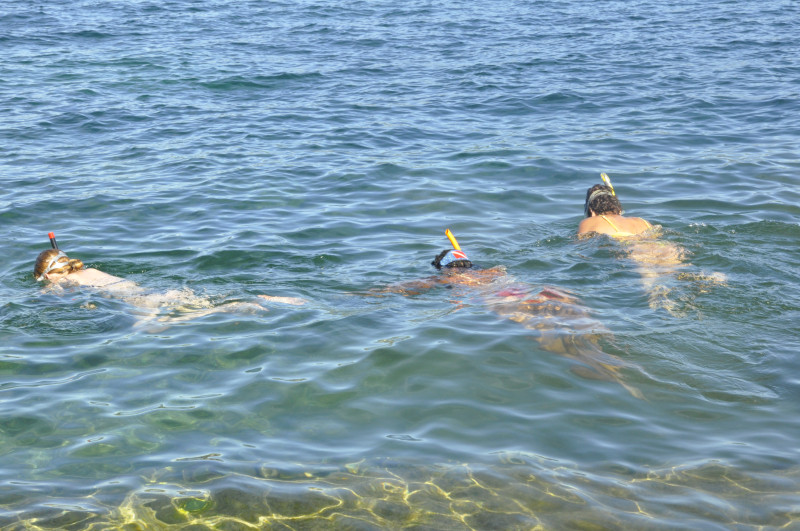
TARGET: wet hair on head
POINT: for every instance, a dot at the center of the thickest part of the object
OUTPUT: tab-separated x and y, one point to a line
450	263
601	199
54	261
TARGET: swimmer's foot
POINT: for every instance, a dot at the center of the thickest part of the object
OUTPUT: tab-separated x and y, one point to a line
592	374
294	301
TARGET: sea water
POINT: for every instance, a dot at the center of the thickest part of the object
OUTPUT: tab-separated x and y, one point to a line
319	150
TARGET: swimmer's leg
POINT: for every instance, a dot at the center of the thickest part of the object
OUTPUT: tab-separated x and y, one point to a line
595	363
191	313
294	301
187	314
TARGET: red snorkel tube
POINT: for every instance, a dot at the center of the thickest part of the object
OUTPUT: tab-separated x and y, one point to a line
53	240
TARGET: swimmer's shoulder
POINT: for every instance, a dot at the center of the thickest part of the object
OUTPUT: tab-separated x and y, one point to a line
636	226
94	277
485	276
643	224
595	224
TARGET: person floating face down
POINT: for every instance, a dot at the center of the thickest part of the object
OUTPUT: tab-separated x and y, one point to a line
54	266
603	213
657	261
561	324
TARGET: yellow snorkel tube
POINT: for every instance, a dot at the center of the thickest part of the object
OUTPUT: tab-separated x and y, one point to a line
606	180
452	239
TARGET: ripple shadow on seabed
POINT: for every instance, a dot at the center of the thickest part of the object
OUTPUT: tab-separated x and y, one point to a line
516	492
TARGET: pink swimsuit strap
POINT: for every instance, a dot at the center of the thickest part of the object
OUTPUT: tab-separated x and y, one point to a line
512	292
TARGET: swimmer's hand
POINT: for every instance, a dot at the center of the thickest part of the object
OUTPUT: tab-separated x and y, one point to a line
294	301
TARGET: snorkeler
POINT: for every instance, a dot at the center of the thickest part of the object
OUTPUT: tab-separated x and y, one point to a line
658	261
55	266
61	271
603	213
561	323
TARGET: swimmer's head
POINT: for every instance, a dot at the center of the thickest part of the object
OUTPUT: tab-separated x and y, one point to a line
54	262
600	199
451	258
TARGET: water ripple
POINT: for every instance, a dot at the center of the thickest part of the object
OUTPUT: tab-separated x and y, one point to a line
300	149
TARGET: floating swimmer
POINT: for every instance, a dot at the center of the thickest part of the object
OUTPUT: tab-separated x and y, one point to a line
560	322
603	213
61	271
55	266
657	261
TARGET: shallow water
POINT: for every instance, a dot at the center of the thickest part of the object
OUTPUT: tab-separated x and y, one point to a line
320	151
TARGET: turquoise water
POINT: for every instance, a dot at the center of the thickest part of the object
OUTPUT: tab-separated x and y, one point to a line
320	150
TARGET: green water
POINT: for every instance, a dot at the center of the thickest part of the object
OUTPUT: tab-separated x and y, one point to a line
214	153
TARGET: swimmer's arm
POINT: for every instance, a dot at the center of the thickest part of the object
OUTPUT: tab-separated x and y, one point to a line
414	287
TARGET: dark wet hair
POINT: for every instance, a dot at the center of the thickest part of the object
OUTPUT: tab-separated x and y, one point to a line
603	202
437	262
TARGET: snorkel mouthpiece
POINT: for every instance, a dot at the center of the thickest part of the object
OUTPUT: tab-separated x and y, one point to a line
52	237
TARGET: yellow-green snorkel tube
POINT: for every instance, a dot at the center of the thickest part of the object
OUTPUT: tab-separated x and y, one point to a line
606	180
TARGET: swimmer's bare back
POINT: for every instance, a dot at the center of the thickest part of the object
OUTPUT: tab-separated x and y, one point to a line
94	278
